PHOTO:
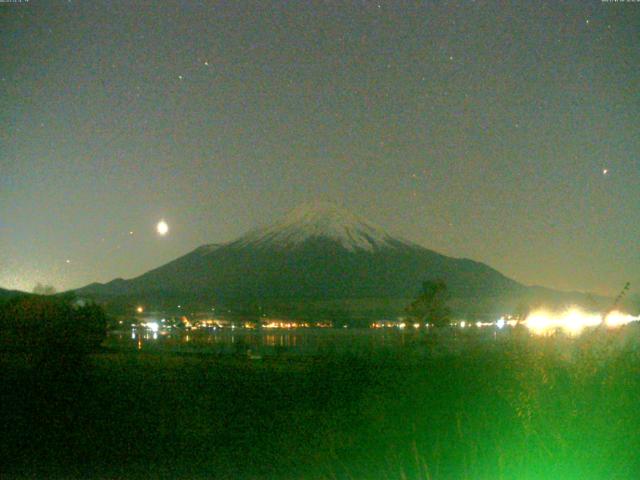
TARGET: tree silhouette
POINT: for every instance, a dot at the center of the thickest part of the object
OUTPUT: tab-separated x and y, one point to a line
40	324
431	304
522	311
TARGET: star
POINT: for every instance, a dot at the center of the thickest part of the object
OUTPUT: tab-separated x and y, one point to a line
605	171
206	64
180	77
67	261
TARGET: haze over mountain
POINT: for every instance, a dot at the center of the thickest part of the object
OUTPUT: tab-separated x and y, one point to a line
320	257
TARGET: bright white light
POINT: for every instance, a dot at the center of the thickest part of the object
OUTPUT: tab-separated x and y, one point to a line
539	322
572	321
139	309
500	323
575	320
153	326
617	319
463	324
162	228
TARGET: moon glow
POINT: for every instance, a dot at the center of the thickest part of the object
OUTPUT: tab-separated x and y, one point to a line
162	228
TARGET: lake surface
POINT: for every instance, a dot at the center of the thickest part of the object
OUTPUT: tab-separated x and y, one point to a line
305	341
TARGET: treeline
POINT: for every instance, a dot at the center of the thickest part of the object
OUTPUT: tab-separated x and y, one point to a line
51	324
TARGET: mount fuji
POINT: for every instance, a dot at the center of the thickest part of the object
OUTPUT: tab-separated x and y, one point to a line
322	221
320	258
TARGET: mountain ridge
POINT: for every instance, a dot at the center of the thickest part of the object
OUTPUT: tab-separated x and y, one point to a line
316	253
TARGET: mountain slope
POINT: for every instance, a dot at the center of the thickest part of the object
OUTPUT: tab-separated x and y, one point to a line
6	294
317	253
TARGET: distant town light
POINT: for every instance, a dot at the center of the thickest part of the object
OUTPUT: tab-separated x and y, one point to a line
616	319
573	321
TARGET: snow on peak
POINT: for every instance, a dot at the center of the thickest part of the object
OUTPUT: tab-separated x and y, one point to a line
322	220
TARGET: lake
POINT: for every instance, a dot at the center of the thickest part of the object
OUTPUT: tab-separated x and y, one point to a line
305	341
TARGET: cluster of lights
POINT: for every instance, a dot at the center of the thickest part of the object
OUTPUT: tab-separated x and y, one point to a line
573	321
500	323
394	324
285	324
540	322
153	327
401	325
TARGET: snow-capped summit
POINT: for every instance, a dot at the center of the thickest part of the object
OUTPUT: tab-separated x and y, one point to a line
322	220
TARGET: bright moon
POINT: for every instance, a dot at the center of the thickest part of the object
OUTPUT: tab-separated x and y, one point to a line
162	227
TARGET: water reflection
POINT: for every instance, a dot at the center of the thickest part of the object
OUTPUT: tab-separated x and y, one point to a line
283	339
305	341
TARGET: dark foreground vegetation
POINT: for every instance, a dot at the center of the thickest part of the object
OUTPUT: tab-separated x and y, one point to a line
526	408
51	328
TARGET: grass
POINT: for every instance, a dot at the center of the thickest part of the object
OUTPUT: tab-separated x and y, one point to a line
522	408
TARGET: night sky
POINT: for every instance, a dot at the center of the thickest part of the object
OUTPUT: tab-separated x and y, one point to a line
506	132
